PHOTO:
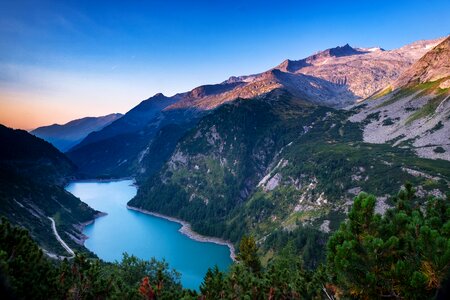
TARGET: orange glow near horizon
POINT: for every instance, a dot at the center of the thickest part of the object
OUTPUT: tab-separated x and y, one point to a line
38	96
35	111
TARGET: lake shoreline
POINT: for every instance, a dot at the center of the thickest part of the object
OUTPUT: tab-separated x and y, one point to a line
82	225
187	231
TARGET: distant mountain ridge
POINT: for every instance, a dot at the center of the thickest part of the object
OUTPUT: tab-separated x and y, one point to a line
362	71
67	135
132	121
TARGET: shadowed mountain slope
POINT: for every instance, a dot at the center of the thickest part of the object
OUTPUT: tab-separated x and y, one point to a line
32	178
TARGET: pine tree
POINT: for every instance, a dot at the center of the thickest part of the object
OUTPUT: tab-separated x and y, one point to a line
26	273
248	254
213	284
403	254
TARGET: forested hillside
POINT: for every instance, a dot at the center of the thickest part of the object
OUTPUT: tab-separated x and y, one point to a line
280	169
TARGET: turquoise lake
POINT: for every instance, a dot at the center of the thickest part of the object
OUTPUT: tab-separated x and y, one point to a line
144	236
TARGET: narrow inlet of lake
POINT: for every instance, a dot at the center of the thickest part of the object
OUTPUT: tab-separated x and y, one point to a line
142	235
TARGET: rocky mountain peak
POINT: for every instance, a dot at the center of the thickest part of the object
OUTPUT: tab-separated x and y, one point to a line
158	96
212	89
339	51
345	50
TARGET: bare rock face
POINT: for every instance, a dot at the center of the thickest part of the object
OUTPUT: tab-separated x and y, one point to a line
433	66
335	77
362	70
404	123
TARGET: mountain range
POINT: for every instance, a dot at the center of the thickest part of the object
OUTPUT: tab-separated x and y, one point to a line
336	78
68	135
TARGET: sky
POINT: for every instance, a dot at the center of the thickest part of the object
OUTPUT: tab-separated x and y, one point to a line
62	60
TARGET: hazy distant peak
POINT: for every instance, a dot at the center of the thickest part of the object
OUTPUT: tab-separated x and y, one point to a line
105	119
75	122
67	135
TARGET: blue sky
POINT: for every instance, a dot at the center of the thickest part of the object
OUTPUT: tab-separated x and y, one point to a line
61	60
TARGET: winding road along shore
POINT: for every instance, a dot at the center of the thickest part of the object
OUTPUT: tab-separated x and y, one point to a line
187	230
61	241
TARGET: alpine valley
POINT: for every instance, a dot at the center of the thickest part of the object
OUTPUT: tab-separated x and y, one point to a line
271	161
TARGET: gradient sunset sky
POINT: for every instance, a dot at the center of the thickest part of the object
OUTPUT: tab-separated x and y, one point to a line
61	60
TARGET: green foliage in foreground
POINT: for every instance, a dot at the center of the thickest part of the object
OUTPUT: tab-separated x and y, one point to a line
26	273
284	278
404	254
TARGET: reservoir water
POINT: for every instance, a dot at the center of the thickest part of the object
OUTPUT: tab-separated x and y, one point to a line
142	235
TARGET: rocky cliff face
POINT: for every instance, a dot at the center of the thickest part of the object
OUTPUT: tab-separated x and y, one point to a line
362	70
